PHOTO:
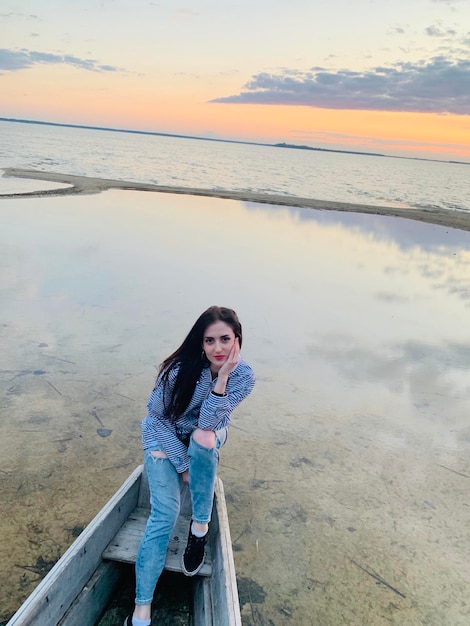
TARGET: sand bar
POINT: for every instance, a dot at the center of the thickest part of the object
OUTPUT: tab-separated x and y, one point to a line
88	185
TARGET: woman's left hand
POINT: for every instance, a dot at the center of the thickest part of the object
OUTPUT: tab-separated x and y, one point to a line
232	360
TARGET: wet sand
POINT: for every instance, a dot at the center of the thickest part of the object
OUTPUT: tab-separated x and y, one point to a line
87	185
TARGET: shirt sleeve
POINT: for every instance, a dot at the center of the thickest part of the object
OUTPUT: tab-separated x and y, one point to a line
214	414
164	427
216	411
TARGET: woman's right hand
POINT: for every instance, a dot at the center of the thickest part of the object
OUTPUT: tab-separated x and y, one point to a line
185	476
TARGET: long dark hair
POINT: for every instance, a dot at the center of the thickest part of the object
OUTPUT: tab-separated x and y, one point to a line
191	360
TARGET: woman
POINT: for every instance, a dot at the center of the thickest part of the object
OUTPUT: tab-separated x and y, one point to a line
189	411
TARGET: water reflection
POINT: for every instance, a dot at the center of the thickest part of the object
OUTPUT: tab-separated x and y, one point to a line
354	445
18	185
407	234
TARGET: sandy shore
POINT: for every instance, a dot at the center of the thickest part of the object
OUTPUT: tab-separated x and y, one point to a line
87	185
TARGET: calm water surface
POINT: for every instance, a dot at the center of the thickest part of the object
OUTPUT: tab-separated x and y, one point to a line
347	470
228	166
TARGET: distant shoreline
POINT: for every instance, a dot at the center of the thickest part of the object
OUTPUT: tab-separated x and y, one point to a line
216	139
86	185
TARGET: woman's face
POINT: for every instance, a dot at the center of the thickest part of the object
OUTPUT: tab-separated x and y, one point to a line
217	342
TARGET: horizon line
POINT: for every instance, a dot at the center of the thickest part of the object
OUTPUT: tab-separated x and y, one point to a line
238	141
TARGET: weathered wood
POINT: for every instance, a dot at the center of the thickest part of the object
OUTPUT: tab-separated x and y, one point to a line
94	597
125	544
202	605
144	491
78	587
185	504
53	596
223	583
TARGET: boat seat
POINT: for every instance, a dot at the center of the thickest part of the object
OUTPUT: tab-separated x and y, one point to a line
125	544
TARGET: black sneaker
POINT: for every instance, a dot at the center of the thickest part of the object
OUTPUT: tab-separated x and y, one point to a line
193	557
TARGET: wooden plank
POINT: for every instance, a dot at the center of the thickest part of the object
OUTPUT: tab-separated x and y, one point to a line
223	582
185	505
125	544
201	614
55	593
94	597
144	491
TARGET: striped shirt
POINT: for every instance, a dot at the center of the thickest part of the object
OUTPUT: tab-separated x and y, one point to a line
205	410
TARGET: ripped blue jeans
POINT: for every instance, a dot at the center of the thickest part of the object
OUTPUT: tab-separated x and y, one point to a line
165	488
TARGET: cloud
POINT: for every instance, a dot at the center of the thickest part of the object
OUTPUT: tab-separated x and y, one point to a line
438	31
450	3
14	15
397	30
14	60
440	85
186	12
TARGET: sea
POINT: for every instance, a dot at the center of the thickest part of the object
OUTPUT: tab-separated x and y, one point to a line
230	166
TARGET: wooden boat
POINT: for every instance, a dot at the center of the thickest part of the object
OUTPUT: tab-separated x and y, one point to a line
79	586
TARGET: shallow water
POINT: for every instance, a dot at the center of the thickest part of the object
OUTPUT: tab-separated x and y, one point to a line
347	469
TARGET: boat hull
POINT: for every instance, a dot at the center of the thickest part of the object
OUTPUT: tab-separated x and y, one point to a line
80	585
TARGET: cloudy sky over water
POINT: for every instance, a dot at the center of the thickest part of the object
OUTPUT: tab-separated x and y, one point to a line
370	75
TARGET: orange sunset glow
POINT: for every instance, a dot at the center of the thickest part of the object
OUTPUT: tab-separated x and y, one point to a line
397	87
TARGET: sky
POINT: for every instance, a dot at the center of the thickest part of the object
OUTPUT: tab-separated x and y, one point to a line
383	76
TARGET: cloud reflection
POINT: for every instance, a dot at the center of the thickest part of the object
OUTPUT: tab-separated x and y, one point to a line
407	234
433	375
